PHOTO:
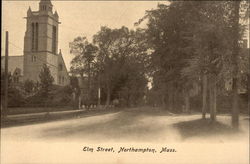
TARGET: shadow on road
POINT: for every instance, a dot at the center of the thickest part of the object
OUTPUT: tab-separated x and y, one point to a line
203	128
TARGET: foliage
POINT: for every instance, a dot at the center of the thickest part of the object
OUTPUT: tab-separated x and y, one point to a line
29	86
84	53
57	96
3	83
15	96
189	39
46	80
122	62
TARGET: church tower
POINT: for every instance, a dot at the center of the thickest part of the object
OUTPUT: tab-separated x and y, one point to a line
41	41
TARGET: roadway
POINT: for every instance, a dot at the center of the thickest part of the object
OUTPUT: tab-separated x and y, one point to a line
61	141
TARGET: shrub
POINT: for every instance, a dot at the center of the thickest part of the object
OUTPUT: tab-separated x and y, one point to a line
29	86
15	98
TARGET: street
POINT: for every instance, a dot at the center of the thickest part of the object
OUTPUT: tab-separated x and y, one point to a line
131	127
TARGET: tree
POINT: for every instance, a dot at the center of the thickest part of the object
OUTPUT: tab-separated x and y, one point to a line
46	81
236	38
3	112
29	86
78	64
74	83
83	63
168	32
15	96
192	41
122	52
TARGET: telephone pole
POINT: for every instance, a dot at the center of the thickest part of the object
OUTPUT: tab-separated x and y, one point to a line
6	77
235	105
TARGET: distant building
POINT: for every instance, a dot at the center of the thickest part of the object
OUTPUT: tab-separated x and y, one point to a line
15	67
40	47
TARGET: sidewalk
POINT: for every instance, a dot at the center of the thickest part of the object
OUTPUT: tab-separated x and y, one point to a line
31	118
43	113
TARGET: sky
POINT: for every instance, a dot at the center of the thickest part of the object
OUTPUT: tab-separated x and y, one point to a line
78	18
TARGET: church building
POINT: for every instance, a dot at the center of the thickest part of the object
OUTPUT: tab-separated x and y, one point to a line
40	47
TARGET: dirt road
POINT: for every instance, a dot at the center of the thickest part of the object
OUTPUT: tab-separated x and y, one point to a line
194	140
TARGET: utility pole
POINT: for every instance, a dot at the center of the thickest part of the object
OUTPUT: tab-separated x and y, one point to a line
6	77
235	106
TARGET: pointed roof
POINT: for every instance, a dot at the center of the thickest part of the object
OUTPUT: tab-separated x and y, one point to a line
56	14
29	12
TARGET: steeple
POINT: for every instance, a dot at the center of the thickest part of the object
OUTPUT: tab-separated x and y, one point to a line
29	12
45	5
56	15
41	42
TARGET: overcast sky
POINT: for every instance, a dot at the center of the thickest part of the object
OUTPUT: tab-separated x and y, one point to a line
78	18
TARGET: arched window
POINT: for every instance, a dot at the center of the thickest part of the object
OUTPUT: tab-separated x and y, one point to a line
60	67
43	7
63	80
54	39
34	36
59	79
33	58
36	41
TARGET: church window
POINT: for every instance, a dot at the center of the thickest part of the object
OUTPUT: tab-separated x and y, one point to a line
37	28
60	67
33	36
63	80
43	7
33	58
54	40
59	79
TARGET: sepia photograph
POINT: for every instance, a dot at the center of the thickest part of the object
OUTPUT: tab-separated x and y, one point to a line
125	82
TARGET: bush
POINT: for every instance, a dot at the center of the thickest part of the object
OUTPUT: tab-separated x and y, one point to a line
15	98
58	96
29	86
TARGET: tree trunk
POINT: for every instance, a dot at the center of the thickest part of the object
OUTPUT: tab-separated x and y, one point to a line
79	103
80	100
235	107
187	102
170	97
248	89
212	98
204	96
163	97
99	90
89	80
108	96
248	86
215	99
175	97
